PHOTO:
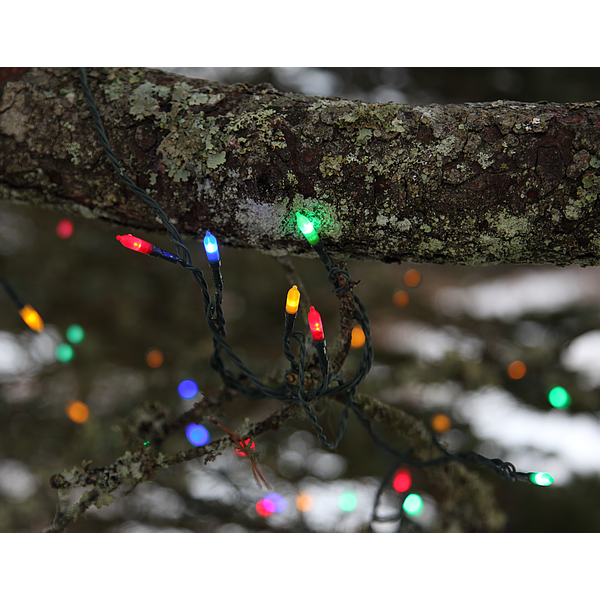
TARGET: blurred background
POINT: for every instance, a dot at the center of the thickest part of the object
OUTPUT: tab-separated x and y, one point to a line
503	360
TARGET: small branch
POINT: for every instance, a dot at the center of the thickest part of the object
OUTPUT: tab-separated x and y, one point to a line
140	466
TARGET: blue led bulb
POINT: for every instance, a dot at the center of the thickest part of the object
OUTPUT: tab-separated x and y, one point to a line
274	503
188	389
211	247
197	434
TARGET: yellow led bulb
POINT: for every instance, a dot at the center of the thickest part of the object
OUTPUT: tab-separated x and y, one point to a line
293	299
32	318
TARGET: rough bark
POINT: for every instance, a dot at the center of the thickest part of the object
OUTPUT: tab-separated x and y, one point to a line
467	184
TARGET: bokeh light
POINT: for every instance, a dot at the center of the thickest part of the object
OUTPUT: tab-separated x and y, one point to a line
348	501
274	503
248	443
516	369
75	333
188	389
401	299
559	398
402	480
262	510
412	278
441	423
540	478
197	434
64	353
64	229
358	337
413	505
304	502
77	411
154	358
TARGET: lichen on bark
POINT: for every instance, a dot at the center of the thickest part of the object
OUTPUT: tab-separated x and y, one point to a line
467	184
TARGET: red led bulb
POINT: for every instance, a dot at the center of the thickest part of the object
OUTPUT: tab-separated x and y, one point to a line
316	325
134	243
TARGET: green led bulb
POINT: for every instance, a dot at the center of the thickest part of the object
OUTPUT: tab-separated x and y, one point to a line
413	505
64	353
559	397
75	334
543	479
307	228
348	501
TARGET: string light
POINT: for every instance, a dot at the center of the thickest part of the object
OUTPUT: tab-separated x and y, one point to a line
412	278
307	229
188	389
197	434
316	329
559	398
248	443
516	369
215	321
32	318
211	247
358	337
77	411
274	503
348	502
75	334
136	244
541	479
29	315
304	502
154	358
291	309
316	325
292	301
64	229
401	299
441	423
143	247
413	505
261	509
64	353
402	480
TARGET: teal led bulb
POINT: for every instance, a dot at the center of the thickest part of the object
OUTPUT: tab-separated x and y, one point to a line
559	398
540	478
413	505
75	334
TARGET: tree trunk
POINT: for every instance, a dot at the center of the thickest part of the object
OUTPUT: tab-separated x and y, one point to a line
467	184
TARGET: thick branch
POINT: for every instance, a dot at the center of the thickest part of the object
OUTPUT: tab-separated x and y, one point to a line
476	183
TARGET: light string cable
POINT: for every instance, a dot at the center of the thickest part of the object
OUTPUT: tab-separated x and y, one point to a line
214	314
334	274
504	470
288	392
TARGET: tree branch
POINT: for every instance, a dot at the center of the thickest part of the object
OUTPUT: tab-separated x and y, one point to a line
465	500
477	183
142	465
